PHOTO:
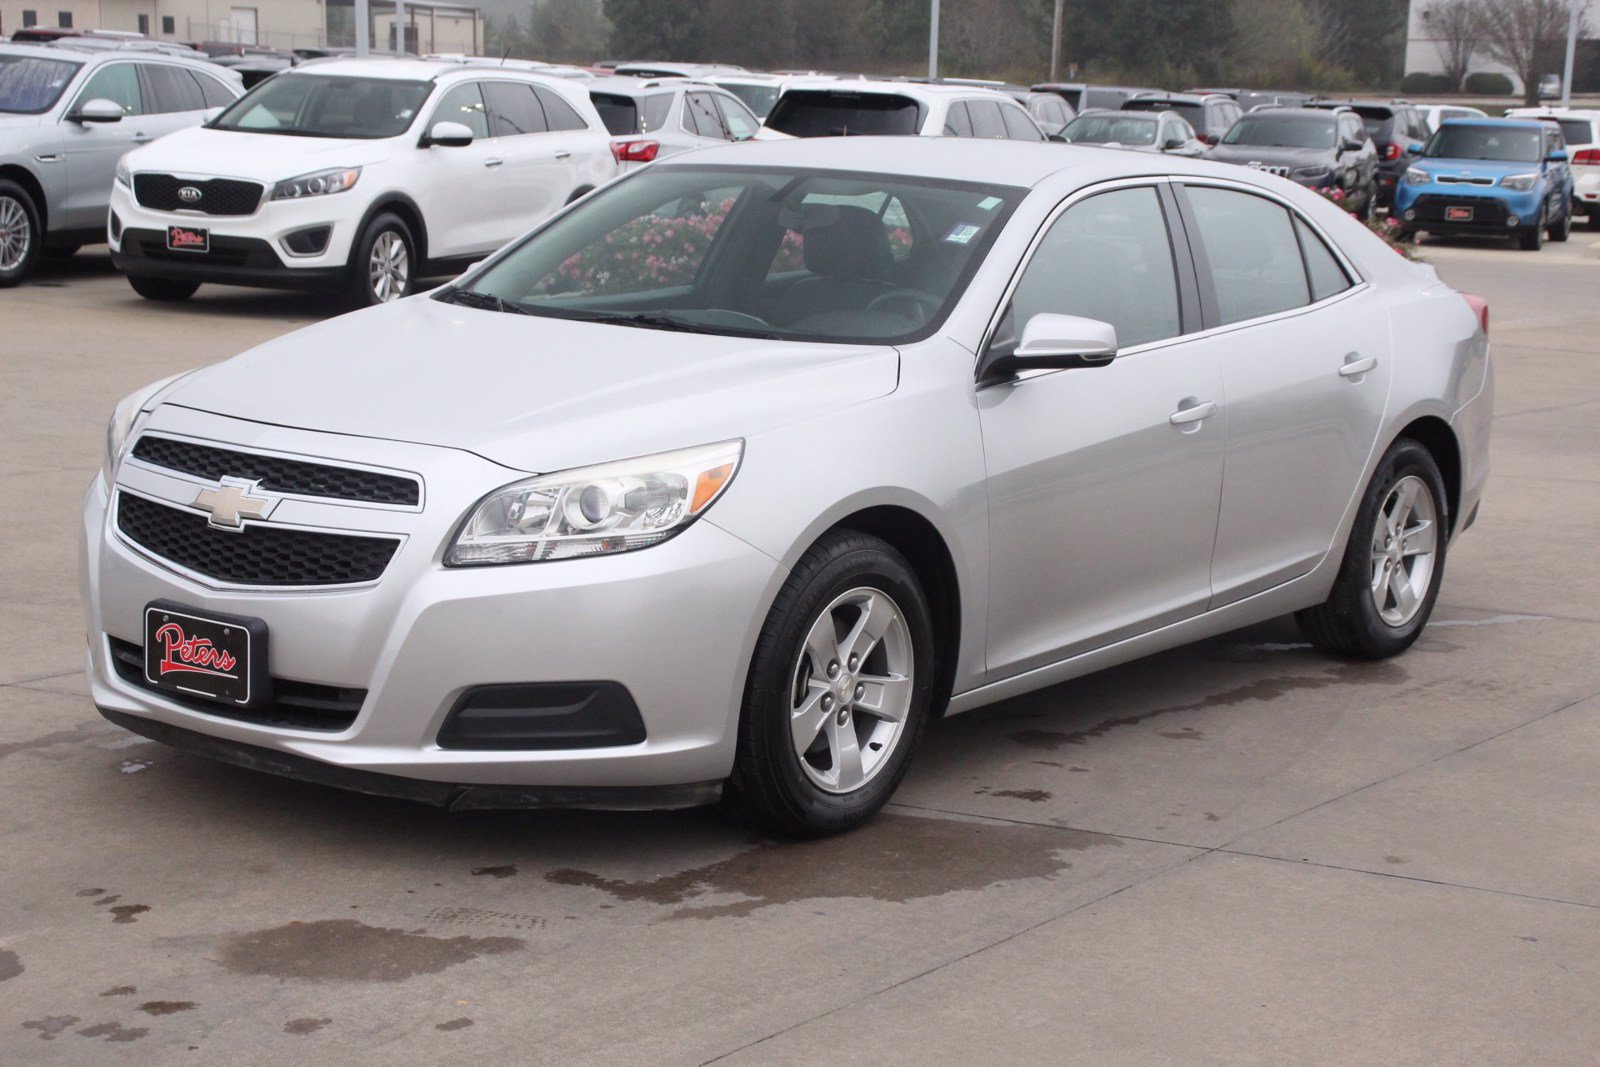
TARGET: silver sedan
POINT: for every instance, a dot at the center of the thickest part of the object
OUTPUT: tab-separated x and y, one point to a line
731	477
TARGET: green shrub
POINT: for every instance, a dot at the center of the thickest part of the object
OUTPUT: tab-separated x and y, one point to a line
1482	84
1419	81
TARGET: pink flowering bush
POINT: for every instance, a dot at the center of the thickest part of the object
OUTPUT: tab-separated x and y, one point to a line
1388	228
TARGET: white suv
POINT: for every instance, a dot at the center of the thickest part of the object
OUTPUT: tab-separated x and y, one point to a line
1580	128
858	108
355	175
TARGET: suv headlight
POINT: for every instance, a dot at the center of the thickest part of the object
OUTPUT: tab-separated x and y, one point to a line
126	416
592	511
1518	183
124	177
1312	172
1417	176
319	183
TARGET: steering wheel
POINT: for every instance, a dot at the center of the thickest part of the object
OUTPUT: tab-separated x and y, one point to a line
913	304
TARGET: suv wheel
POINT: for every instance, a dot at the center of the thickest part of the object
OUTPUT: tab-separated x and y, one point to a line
383	263
20	234
1560	231
838	690
163	289
1533	240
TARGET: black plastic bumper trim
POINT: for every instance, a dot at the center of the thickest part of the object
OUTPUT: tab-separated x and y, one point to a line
539	716
437	794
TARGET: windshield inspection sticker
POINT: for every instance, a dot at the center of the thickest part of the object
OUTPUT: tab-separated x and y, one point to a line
988	203
961	233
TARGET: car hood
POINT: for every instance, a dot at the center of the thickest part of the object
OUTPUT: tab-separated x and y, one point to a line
263	157
1477	168
535	394
1271	154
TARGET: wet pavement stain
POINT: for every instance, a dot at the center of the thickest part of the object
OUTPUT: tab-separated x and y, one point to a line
347	950
50	1025
1266	689
84	731
1033	795
112	899
305	1026
115	1031
454	1024
894	858
1188	733
88	892
167	1007
10	965
495	872
121	991
124	913
1394	859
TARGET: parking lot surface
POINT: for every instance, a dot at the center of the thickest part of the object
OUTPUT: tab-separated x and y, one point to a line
1240	851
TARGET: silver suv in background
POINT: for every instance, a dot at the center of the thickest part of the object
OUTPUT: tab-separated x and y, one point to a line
67	114
654	117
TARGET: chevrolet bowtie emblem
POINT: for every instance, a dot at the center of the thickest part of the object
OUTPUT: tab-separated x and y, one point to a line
230	503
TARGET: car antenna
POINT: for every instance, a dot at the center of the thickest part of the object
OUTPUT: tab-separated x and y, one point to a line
504	53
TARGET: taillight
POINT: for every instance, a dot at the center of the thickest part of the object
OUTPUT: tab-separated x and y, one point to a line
1391	151
635	151
1480	308
1588	157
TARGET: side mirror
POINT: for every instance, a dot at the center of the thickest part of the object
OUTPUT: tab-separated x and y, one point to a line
1353	145
209	115
1558	156
1058	138
1414	148
449	135
1055	342
1172	144
98	110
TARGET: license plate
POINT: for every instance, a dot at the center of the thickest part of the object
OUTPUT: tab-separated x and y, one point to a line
188	239
1458	214
210	655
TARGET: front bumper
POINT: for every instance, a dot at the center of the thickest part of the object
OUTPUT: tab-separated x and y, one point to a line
1586	190
248	250
675	624
1424	207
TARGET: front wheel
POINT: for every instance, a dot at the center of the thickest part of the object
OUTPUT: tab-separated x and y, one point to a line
20	234
1392	565
1533	240
383	262
838	690
166	290
1560	231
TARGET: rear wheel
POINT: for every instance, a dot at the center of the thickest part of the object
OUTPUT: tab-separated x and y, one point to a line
383	262
1594	220
838	690
20	234
1533	240
1392	565
163	289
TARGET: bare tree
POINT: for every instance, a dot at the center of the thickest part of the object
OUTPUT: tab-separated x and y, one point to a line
1527	36
1456	27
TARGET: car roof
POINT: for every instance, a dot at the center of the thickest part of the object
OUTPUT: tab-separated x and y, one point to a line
1591	114
1177	98
411	69
1514	124
626	86
1297	112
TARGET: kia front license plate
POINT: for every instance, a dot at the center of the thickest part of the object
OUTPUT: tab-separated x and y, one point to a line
213	656
1458	214
188	239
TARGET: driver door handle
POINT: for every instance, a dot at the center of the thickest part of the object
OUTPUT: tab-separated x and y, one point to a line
1355	365
1194	413
493	162
142	138
562	153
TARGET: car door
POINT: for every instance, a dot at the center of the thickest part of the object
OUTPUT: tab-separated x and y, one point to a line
460	189
1104	482
539	173
90	150
1306	363
172	98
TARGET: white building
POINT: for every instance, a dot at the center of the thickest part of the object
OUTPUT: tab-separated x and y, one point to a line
1425	51
432	26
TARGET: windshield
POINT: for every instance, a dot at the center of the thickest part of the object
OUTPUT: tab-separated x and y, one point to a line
1503	144
327	105
30	86
758	98
1111	129
1282	131
842	114
817	256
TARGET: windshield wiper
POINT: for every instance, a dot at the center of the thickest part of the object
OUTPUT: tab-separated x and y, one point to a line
471	298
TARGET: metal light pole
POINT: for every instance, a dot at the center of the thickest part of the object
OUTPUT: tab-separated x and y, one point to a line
1572	47
1055	43
363	41
933	41
400	26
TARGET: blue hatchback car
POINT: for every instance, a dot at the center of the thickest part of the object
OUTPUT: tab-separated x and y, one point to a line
1490	178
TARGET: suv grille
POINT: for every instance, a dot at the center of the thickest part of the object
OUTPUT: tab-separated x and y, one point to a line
295	705
257	554
1270	168
218	196
1486	210
279	475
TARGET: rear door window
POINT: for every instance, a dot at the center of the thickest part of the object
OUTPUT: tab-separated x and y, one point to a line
1254	256
170	89
986	118
957	123
1019	127
513	109
213	92
1323	272
558	114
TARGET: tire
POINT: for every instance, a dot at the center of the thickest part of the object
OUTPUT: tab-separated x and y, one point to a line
1533	240
1594	221
854	758
166	290
21	234
383	262
1351	622
1369	203
1561	231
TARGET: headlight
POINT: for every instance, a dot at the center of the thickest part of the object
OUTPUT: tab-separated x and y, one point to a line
126	416
124	178
336	180
1313	172
1518	183
1417	176
591	511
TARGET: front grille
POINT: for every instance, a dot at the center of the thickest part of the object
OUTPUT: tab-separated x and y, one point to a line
1450	179
295	705
220	255
1486	210
295	476
258	554
218	196
1282	172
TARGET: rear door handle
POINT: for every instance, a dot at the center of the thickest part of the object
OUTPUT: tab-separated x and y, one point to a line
493	162
562	153
1203	409
1355	364
142	138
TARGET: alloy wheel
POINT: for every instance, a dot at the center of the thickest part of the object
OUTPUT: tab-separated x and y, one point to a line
16	233
389	267
1404	539
851	690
